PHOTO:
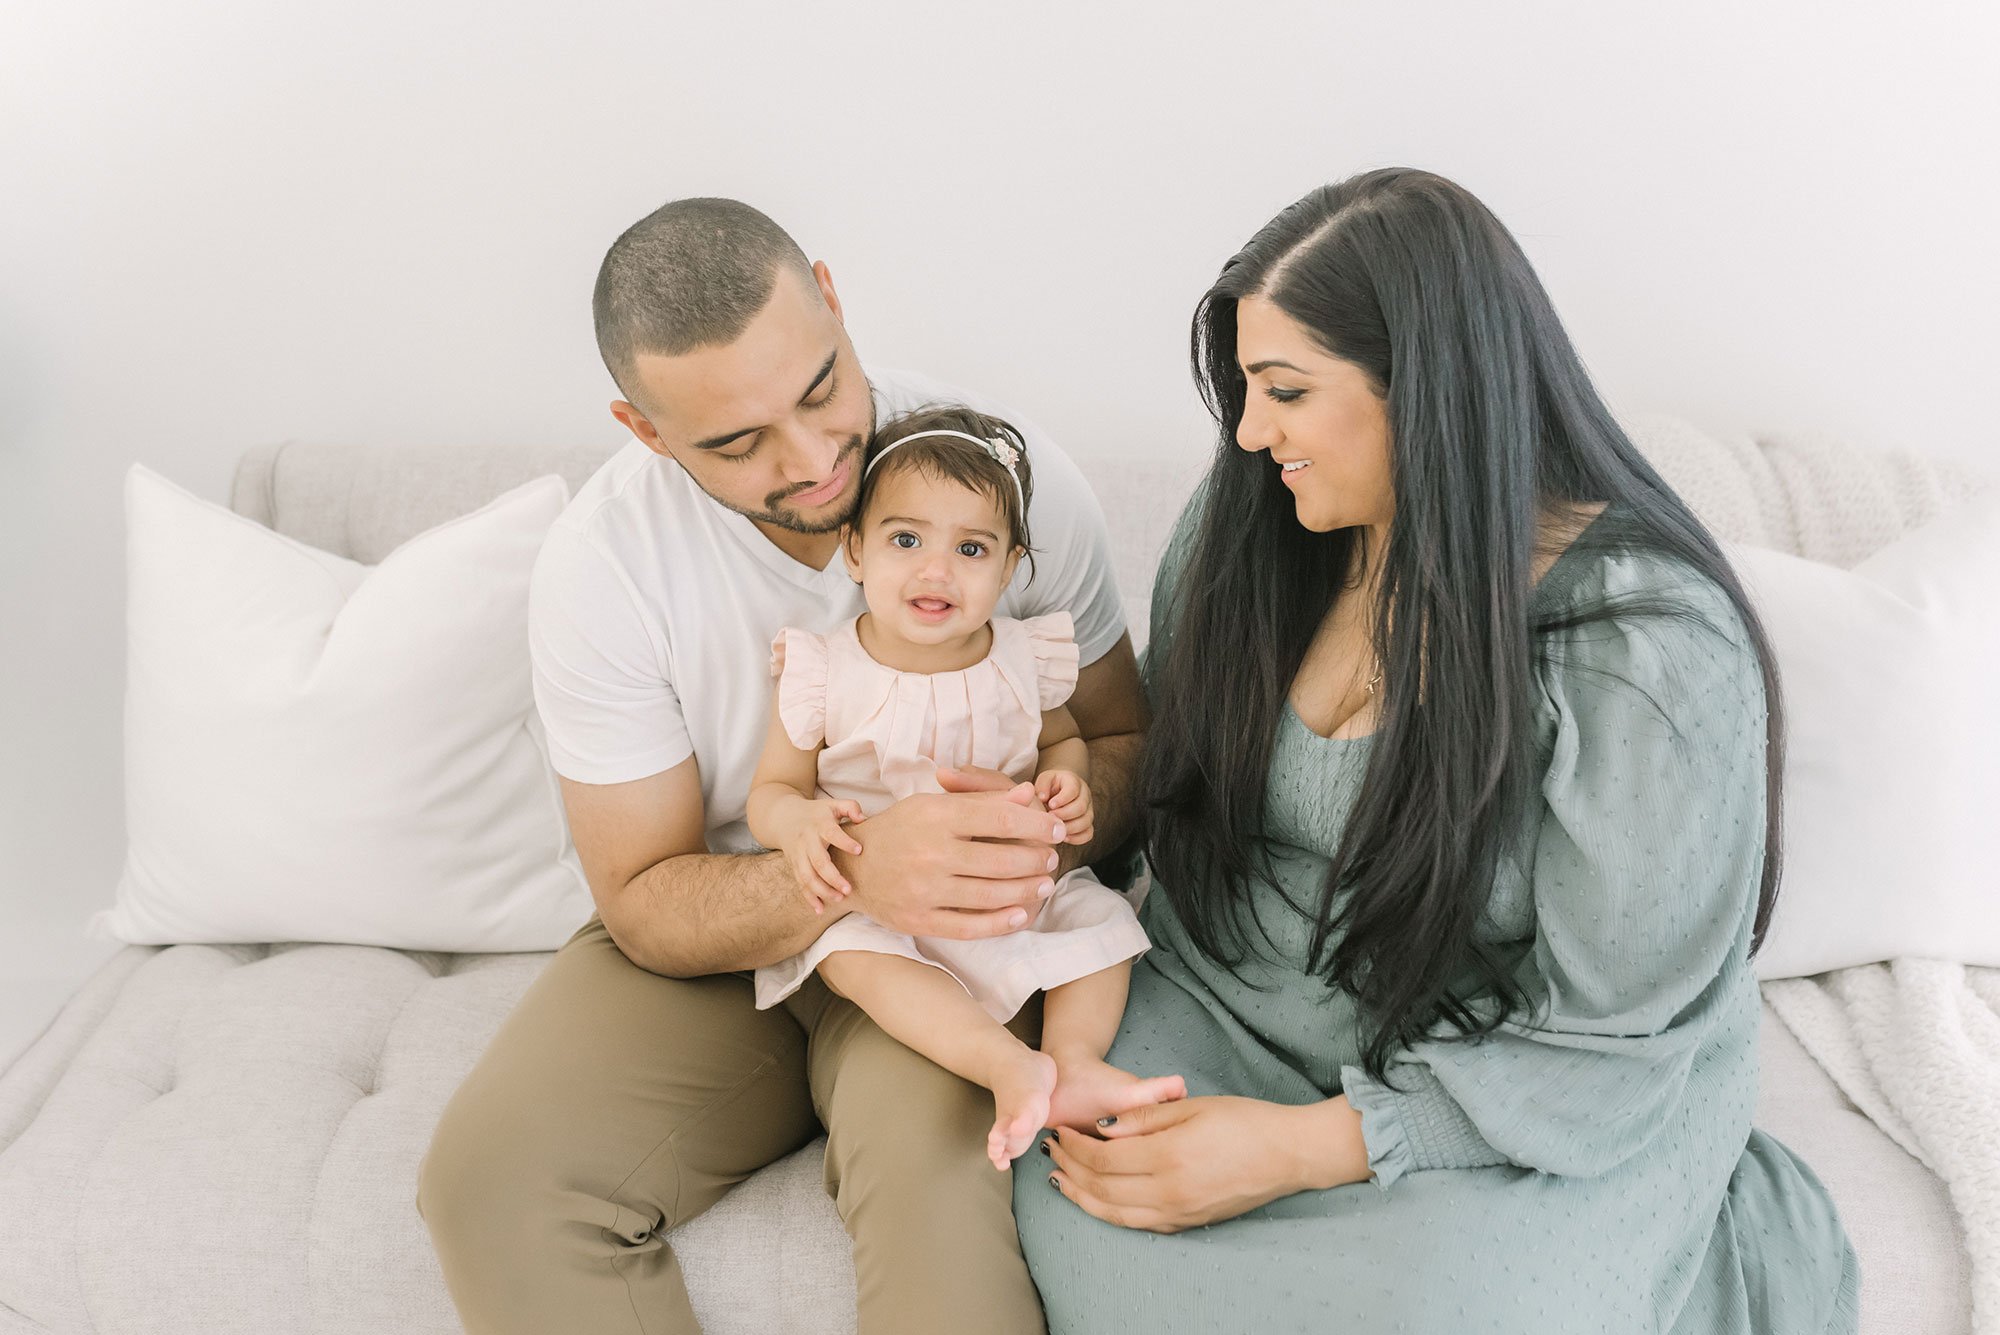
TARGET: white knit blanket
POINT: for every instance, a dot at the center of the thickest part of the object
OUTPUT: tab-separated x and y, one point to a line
1915	1044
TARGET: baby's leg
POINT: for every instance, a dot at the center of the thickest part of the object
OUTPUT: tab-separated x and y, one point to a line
928	1010
1079	1020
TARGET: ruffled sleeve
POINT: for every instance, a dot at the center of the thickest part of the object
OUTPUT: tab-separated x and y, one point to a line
1648	861
798	661
1052	641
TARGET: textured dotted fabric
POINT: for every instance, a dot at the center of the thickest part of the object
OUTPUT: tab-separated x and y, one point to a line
1595	1171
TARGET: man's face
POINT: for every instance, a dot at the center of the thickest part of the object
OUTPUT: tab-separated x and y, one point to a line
772	425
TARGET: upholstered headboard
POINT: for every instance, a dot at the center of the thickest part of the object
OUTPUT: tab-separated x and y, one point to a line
364	501
1815	498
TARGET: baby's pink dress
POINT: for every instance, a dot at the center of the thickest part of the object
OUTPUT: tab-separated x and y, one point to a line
887	733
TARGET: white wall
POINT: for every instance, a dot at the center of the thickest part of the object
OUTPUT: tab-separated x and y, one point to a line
224	223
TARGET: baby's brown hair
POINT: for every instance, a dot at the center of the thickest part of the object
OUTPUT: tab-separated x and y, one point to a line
947	458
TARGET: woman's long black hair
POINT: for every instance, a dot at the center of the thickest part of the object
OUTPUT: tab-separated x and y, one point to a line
1494	425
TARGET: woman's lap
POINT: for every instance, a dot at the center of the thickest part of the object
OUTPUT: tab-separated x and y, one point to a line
1461	1250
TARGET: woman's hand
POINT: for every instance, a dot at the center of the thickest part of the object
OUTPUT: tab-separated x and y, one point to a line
1197	1161
1067	798
814	829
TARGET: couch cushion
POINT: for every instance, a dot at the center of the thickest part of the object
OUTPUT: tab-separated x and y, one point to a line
1915	1277
225	1138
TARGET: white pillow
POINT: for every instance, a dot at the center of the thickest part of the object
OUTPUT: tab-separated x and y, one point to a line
1892	805
319	750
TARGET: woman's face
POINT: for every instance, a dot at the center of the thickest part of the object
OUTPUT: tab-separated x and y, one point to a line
1317	411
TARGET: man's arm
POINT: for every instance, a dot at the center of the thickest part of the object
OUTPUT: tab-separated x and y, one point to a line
941	866
1110	709
669	904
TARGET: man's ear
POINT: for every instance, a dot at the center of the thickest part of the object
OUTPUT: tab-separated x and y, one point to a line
635	422
824	276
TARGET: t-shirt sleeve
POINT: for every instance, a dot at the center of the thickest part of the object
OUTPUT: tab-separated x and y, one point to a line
599	673
1647	866
1073	568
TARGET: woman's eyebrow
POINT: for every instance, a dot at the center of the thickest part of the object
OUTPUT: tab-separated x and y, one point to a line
1255	367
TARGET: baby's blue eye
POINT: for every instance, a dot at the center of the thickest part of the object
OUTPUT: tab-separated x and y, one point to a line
896	539
977	549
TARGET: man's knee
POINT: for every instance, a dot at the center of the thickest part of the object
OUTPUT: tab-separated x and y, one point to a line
460	1177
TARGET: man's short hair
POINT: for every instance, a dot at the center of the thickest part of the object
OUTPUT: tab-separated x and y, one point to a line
691	274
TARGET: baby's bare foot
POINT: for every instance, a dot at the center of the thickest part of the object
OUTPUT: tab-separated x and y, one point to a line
1088	1088
1020	1106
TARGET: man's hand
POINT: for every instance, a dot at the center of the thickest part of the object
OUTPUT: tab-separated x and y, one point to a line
972	779
964	864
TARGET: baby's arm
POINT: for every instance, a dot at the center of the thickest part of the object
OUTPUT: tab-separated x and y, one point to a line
784	814
1062	774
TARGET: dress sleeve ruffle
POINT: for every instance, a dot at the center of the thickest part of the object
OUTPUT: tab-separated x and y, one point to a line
1648	859
1415	1127
798	661
1052	641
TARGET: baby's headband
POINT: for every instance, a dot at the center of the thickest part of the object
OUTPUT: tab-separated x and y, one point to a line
1002	450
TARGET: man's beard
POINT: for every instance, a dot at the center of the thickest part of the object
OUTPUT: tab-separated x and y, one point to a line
790	520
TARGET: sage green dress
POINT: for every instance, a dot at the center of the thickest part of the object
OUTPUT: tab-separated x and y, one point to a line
1597	1173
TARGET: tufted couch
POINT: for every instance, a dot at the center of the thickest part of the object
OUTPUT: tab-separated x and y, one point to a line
214	1139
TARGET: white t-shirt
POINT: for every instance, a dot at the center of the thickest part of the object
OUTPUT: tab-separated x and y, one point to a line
652	610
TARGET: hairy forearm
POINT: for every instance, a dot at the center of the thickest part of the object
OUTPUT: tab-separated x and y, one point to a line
1113	778
704	913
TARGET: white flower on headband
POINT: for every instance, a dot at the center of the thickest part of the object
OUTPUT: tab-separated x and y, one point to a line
1004	452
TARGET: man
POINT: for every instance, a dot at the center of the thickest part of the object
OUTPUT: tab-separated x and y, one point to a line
636	1082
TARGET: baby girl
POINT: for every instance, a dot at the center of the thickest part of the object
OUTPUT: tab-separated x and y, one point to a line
926	678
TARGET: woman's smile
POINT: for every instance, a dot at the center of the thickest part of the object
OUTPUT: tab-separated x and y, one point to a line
1311	411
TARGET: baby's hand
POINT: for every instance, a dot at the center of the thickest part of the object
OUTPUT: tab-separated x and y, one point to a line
1067	797
806	850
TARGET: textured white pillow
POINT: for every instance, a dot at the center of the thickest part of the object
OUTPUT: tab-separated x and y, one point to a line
319	750
1892	807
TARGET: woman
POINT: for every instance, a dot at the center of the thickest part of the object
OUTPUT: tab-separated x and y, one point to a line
1462	804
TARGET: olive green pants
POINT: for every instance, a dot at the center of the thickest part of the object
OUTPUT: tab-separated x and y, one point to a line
615	1103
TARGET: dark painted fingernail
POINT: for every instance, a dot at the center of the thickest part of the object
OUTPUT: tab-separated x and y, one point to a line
1052	1182
1107	1121
1046	1150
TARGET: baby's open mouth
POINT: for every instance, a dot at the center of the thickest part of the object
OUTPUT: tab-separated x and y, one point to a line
932	605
